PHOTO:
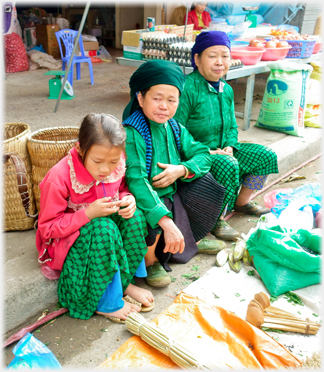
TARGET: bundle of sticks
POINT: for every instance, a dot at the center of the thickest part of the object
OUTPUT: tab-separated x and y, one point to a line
260	313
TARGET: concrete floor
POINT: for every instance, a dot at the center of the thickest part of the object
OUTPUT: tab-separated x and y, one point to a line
85	344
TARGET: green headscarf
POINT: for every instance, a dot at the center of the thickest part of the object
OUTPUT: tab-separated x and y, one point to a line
152	73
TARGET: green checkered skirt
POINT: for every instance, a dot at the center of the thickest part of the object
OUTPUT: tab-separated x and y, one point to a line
250	159
104	246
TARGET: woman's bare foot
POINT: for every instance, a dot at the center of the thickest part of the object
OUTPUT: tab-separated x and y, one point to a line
123	312
139	294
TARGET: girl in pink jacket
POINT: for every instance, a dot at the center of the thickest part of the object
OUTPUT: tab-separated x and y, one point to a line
89	230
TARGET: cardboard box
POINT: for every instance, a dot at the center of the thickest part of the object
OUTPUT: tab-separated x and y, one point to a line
132	41
133	37
90	45
179	31
46	32
52	48
133	52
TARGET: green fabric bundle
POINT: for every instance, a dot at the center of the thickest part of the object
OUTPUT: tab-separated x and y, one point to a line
282	262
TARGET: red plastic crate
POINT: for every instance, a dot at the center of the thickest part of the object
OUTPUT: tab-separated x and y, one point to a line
300	48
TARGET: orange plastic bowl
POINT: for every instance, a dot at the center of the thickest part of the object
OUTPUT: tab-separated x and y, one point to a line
274	54
317	48
248	55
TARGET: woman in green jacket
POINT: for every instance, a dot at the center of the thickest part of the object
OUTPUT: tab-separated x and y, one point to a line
168	172
206	109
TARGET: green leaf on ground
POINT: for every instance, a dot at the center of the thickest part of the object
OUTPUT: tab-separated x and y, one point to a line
266	329
251	273
255	221
194	278
173	279
315	315
237	295
185	283
195	268
243	300
273	299
215	295
188	275
38	330
293	298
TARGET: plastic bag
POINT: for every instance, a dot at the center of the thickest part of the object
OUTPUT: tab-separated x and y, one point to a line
313	116
44	60
286	260
314	92
30	353
318	218
15	54
310	194
317	71
270	198
293	217
88	37
104	54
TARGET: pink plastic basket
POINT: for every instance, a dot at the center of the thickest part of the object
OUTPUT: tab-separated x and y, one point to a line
300	48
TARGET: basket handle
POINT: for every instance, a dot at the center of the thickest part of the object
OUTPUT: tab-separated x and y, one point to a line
21	180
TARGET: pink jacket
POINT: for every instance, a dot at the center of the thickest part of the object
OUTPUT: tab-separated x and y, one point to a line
66	190
192	18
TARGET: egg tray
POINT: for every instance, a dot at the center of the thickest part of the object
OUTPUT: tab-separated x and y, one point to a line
162	44
235	63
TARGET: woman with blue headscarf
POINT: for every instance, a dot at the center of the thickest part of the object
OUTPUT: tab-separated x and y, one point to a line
168	172
206	109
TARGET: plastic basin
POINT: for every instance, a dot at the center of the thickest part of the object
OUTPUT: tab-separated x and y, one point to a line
317	48
274	54
248	55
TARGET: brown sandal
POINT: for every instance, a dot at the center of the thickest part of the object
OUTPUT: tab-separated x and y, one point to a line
144	309
113	318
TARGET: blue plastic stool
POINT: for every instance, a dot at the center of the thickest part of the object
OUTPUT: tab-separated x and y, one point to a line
67	37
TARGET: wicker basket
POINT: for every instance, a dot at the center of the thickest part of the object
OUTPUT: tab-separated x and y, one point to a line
18	202
46	148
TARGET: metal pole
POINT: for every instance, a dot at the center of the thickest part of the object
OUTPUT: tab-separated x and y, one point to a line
184	33
76	42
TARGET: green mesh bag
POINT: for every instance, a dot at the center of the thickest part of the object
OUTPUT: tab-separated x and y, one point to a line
286	260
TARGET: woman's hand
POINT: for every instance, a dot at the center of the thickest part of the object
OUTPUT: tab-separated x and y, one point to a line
102	208
226	151
174	240
170	174
129	202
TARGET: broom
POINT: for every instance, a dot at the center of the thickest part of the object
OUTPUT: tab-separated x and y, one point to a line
157	338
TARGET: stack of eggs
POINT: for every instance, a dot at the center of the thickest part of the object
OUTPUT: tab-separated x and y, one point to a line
169	47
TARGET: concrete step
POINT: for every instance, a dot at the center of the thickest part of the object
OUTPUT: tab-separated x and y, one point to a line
28	292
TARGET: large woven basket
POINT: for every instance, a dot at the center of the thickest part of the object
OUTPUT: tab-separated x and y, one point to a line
18	199
46	148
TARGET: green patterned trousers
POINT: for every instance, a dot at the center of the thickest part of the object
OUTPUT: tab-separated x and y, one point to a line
104	245
250	159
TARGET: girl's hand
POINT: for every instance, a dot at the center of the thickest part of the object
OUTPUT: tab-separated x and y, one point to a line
170	174
102	208
221	152
129	202
174	240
